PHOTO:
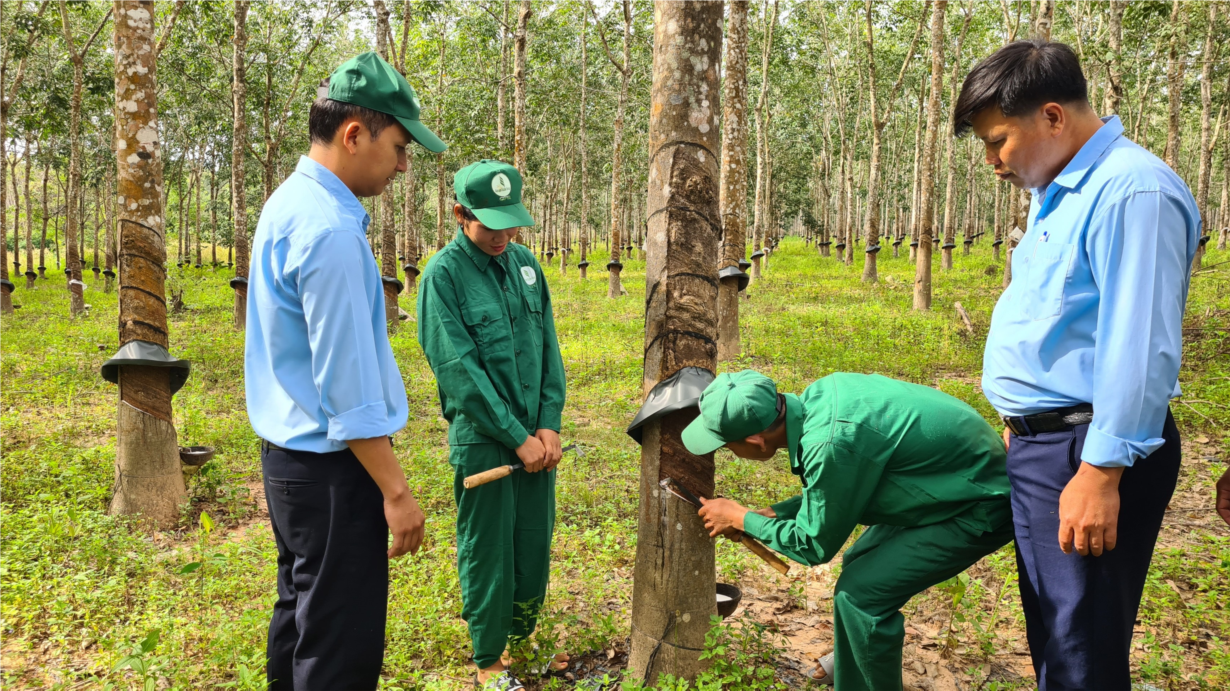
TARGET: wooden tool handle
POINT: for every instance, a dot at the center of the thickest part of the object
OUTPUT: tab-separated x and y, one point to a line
763	552
487	476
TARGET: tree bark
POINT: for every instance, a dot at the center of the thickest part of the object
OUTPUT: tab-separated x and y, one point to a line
583	229
502	83
519	88
758	220
388	231
673	584
614	287
1208	57
1114	67
442	206
922	270
239	145
30	275
733	198
878	121
1174	84
950	161
148	480
1044	19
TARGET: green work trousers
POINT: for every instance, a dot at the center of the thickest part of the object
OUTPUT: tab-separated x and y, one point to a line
503	547
881	571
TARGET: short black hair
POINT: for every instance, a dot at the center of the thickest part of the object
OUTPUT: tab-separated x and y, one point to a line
781	416
466	213
327	116
1018	78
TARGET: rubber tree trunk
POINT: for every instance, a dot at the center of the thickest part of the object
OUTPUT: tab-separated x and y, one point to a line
30	275
922	269
6	286
950	159
442	208
1205	172
519	92
583	229
148	480
878	121
410	217
1114	67
733	197
239	144
673	589
72	208
758	211
388	231
1174	84
614	287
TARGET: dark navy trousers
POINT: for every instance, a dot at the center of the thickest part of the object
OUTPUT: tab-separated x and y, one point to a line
327	629
1080	611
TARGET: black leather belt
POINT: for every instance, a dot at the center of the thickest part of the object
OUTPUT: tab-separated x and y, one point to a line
1058	420
270	446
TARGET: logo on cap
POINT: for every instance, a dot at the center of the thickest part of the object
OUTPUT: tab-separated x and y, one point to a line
501	186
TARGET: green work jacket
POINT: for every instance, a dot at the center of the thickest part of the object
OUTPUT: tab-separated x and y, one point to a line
486	327
872	450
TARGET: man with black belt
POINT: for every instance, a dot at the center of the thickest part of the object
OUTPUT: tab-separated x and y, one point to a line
1083	355
323	390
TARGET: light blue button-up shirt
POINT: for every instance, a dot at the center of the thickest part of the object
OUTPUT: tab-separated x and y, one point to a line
318	367
1094	313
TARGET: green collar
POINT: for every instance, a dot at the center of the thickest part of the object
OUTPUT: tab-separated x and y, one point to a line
794	429
480	258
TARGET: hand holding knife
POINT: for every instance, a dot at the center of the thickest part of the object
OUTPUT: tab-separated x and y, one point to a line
505	470
754	545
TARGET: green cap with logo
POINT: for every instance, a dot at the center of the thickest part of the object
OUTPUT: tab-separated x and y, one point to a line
735	406
492	190
367	80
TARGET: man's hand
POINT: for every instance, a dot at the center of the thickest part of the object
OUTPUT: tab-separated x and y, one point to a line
550	442
722	516
1223	496
405	520
1007	437
401	511
533	454
767	512
1089	511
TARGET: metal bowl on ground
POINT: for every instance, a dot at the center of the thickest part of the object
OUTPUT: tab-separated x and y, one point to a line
728	598
195	456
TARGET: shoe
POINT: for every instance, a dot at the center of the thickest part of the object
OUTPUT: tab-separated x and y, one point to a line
823	673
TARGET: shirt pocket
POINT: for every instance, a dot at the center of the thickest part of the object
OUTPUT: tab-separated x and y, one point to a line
484	321
533	312
1047	278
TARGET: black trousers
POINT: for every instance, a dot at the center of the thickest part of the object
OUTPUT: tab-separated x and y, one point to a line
1080	611
327	630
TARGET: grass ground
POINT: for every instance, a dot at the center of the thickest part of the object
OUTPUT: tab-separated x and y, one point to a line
83	592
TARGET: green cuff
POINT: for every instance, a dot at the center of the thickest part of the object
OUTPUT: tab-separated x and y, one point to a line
757	526
789	508
549	418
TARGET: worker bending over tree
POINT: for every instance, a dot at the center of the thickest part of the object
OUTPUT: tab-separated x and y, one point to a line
922	469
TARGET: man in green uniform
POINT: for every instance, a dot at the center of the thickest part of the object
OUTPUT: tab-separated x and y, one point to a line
486	327
922	469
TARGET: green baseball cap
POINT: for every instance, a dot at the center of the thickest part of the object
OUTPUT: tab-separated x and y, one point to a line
492	190
735	406
367	80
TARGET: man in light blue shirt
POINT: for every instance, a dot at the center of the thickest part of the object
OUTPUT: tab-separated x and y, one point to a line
1083	354
323	390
